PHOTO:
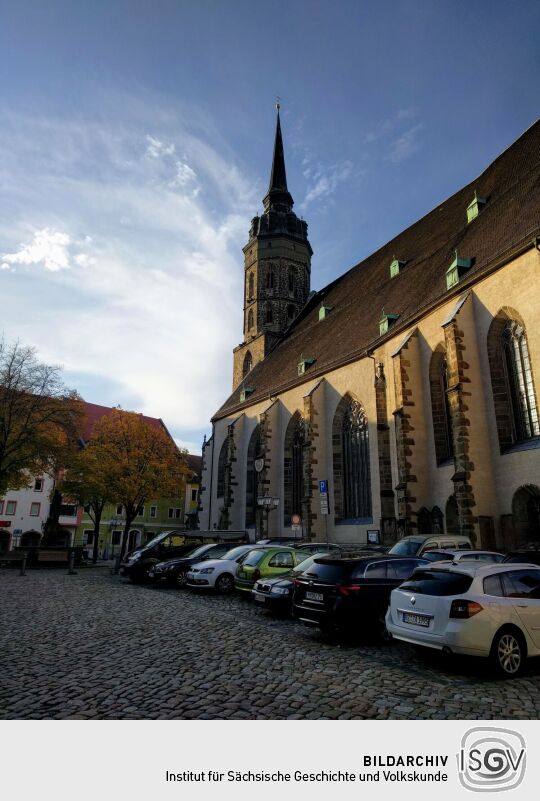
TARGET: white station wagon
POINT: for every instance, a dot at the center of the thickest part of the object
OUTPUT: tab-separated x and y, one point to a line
488	610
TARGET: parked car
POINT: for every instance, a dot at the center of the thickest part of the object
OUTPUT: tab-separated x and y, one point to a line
318	547
416	544
350	594
277	541
531	557
485	610
264	562
174	571
463	556
166	545
276	593
217	574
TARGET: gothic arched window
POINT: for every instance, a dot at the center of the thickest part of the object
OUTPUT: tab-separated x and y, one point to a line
292	282
520	382
250	319
270	279
222	466
247	365
254	451
514	397
269	313
440	407
352	479
294	467
251	282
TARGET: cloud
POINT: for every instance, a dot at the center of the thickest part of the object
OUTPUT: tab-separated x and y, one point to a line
48	247
53	250
153	298
156	149
387	126
405	145
324	181
185	176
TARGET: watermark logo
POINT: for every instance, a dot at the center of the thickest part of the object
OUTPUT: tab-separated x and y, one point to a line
491	759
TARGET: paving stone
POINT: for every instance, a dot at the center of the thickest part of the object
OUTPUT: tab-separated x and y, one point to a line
94	646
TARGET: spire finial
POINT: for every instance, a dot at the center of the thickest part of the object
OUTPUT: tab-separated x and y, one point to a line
278	103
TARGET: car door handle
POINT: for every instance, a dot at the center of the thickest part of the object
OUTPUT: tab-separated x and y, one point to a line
521	606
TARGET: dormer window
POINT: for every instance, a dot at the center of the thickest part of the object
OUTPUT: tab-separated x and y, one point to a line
324	311
457	270
475	207
304	363
396	266
386	322
245	393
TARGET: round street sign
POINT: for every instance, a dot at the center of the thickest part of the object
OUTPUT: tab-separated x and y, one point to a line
258	464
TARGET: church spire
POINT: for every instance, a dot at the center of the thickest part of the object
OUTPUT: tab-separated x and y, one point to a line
278	176
278	197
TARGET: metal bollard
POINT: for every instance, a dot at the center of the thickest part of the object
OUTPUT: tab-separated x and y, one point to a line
71	564
22	571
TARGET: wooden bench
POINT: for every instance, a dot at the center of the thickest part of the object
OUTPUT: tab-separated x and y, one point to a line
65	556
12	557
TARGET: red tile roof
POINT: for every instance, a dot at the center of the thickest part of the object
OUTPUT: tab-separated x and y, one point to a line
94	412
510	218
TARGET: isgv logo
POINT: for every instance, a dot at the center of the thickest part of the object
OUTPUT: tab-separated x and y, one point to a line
491	759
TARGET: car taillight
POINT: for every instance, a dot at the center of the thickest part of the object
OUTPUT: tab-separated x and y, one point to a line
256	574
347	589
463	609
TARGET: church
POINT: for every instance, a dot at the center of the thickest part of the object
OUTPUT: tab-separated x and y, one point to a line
360	425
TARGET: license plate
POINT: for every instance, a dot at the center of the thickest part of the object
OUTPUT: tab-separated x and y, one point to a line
241	574
416	620
314	596
259	598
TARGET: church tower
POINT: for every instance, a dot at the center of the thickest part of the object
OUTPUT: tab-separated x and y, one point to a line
277	270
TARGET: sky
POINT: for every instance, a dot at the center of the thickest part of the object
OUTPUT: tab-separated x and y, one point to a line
136	143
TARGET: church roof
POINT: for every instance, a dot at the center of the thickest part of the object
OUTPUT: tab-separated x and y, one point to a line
509	219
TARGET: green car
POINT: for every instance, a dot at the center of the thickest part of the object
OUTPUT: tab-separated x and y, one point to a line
265	563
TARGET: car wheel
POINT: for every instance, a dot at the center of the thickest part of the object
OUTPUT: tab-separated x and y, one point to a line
508	653
225	583
181	578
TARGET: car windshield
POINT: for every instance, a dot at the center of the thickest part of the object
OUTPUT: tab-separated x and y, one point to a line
156	540
254	558
199	551
235	553
306	563
406	547
437	582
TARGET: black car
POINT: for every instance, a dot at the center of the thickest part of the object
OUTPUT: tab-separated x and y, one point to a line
276	592
174	571
528	557
350	594
166	545
317	547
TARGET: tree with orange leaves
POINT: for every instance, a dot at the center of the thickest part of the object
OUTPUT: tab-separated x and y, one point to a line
138	460
39	417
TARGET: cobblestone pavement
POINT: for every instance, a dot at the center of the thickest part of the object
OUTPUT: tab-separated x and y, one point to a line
94	646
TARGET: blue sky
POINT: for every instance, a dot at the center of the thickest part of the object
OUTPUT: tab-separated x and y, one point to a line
135	146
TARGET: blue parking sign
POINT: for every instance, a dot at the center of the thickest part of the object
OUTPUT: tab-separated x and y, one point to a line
323	486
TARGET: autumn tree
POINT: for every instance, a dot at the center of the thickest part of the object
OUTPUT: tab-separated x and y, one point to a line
39	417
87	481
141	462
